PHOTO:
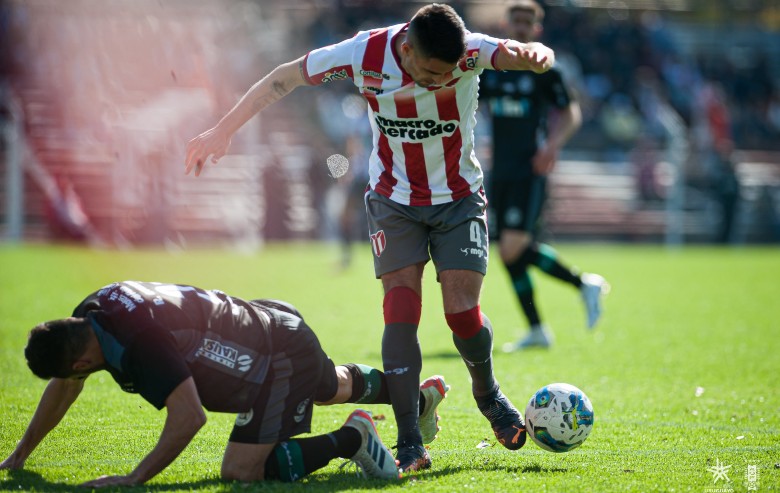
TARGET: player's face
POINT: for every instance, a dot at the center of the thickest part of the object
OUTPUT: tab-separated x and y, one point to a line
523	26
425	71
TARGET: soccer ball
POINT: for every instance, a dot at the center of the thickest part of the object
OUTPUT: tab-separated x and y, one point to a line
559	417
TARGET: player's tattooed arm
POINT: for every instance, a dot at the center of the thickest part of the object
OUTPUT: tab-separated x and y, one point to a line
282	81
270	89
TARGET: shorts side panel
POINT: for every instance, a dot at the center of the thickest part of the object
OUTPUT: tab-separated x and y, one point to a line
459	238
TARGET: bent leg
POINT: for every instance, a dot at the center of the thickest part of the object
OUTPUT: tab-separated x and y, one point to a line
471	329
512	244
289	460
472	334
245	461
359	384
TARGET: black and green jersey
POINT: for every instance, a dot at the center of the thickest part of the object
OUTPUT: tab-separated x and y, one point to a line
154	336
518	102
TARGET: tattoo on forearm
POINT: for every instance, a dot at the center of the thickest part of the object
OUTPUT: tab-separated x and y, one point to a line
262	101
278	91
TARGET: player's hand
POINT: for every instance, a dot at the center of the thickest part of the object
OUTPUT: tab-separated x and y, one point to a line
104	481
544	160
535	57
12	462
212	142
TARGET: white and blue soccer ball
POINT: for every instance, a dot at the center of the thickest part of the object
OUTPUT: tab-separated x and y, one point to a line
559	417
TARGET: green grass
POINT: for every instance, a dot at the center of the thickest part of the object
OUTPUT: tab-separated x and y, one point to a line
675	321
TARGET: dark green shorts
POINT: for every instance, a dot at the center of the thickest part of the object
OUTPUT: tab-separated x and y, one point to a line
516	204
454	235
300	374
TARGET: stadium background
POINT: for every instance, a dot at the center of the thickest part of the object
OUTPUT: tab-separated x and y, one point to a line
100	97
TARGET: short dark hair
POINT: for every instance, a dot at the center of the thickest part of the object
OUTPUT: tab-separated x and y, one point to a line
531	6
53	347
437	31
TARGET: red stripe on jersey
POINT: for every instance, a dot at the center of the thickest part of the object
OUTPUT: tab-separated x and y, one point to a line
406	79
374	60
386	179
447	105
414	155
452	82
374	57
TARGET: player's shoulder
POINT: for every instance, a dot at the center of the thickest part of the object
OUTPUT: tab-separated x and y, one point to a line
88	304
390	32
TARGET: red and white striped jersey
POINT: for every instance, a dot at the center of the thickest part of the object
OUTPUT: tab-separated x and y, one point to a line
423	137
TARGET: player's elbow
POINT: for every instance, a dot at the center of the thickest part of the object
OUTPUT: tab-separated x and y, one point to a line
192	422
198	420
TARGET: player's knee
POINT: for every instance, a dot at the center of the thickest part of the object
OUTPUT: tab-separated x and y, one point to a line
518	267
465	324
402	305
512	246
232	472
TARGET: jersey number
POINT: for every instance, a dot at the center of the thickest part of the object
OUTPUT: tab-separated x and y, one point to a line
475	231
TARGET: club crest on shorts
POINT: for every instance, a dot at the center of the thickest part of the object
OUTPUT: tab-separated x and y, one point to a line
243	419
378	242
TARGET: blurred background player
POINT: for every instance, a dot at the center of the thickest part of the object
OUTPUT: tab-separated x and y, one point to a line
525	149
185	348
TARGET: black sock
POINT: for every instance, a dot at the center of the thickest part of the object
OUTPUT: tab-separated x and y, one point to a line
402	362
295	458
546	259
524	289
477	354
522	284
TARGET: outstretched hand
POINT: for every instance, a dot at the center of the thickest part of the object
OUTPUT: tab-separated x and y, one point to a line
212	142
11	463
535	57
104	481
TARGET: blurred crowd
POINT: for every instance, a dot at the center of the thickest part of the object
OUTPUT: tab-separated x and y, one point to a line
93	62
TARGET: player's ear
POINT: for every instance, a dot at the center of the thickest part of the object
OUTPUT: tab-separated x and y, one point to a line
538	28
81	365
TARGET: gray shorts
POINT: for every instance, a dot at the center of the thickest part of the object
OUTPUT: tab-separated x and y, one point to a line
454	234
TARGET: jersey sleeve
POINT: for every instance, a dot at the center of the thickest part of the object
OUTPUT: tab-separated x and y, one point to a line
481	52
89	304
329	63
150	359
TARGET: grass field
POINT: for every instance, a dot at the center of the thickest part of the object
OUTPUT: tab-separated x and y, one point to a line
676	321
